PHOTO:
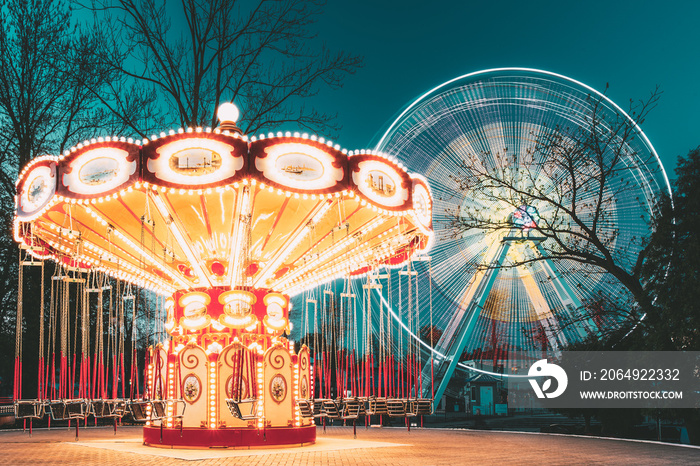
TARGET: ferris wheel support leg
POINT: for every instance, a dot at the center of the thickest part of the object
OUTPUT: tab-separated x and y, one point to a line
465	323
567	296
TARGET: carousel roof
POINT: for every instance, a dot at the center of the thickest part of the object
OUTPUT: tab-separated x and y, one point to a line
210	208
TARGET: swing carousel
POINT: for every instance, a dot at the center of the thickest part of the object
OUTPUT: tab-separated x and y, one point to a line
196	240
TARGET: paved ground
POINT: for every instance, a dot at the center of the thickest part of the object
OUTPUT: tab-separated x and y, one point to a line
381	446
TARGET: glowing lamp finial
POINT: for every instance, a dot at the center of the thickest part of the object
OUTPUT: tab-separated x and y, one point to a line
228	113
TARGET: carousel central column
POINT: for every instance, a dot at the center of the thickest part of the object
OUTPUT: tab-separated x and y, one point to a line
228	376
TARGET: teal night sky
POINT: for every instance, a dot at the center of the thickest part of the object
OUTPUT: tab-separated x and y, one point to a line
410	47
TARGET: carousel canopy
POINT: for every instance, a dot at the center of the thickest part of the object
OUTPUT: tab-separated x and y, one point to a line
211	208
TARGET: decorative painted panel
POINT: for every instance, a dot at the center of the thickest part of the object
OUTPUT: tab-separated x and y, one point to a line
193	160
279	397
37	188
299	164
194	384
380	181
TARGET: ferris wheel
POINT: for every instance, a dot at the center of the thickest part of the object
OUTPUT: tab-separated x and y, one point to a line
485	310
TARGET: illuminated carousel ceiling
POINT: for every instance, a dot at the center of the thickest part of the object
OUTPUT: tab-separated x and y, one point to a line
200	209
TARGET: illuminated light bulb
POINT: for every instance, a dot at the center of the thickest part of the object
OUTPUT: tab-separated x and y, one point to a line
228	113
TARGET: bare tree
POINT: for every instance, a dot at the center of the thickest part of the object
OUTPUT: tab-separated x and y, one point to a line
49	100
49	86
575	177
261	55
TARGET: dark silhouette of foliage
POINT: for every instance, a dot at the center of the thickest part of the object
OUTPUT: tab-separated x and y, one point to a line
573	177
673	263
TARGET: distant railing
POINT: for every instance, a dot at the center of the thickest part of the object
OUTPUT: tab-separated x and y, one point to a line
7	409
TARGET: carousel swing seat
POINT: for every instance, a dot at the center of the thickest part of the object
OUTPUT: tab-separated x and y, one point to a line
396	407
29	409
318	409
154	410
65	410
158	410
139	410
420	407
353	408
306	408
179	407
376	406
312	408
234	406
331	409
109	408
343	409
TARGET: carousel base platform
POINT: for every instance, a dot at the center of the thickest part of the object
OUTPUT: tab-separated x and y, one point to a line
229	438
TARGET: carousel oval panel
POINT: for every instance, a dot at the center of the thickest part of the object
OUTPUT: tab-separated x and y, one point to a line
299	164
194	159
37	189
422	203
278	388
380	181
304	388
237	307
191	388
277	309
194	308
99	169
